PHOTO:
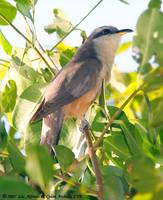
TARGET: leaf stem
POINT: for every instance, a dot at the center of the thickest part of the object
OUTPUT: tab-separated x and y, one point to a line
35	48
116	114
94	7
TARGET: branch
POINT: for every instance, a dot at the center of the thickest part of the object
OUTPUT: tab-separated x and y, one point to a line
3	60
32	32
35	48
92	154
71	182
76	25
47	55
116	114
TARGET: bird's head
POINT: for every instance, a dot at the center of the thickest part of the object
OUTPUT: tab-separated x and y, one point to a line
106	39
106	32
107	36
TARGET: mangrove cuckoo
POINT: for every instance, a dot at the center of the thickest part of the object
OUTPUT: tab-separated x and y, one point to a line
78	84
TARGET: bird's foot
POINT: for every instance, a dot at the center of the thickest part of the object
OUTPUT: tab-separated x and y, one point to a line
84	125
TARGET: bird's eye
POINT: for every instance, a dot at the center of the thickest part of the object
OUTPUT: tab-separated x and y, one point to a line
106	31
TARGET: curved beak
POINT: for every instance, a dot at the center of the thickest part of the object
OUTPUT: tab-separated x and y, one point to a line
124	31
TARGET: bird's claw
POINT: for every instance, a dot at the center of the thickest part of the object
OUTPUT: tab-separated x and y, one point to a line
84	125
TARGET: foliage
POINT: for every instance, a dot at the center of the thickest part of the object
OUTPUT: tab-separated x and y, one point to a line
130	154
61	24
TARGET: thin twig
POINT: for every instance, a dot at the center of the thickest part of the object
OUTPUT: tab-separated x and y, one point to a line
92	154
47	55
40	45
76	25
71	182
3	60
116	114
35	48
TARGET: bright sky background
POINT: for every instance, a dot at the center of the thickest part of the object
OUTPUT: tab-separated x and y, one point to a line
109	12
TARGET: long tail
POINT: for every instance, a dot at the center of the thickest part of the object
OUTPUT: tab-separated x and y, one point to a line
51	127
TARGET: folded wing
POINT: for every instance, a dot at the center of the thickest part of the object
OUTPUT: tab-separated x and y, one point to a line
73	81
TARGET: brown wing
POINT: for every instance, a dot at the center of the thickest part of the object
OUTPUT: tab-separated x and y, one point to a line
71	83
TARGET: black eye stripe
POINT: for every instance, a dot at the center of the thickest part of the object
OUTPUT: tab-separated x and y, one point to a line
103	32
106	31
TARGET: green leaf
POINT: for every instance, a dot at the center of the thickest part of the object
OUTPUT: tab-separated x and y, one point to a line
24	70
88	179
149	42
78	168
8	96
155	4
5	44
16	158
99	122
69	133
145	69
8	11
142	175
32	93
26	105
102	98
84	36
128	130
124	47
65	156
122	116
61	24
46	74
116	143
25	10
147	196
15	187
153	79
158	194
66	56
24	7
4	67
21	82
3	135
141	132
22	113
112	181
157	118
39	166
33	133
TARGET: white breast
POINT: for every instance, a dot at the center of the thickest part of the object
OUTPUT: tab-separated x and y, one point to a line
106	49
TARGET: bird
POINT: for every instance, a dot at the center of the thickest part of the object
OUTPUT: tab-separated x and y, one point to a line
78	83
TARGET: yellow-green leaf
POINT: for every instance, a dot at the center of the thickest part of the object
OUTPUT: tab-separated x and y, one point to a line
124	47
6	46
7	11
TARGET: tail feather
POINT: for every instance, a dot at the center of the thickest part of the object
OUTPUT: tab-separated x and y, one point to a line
51	127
